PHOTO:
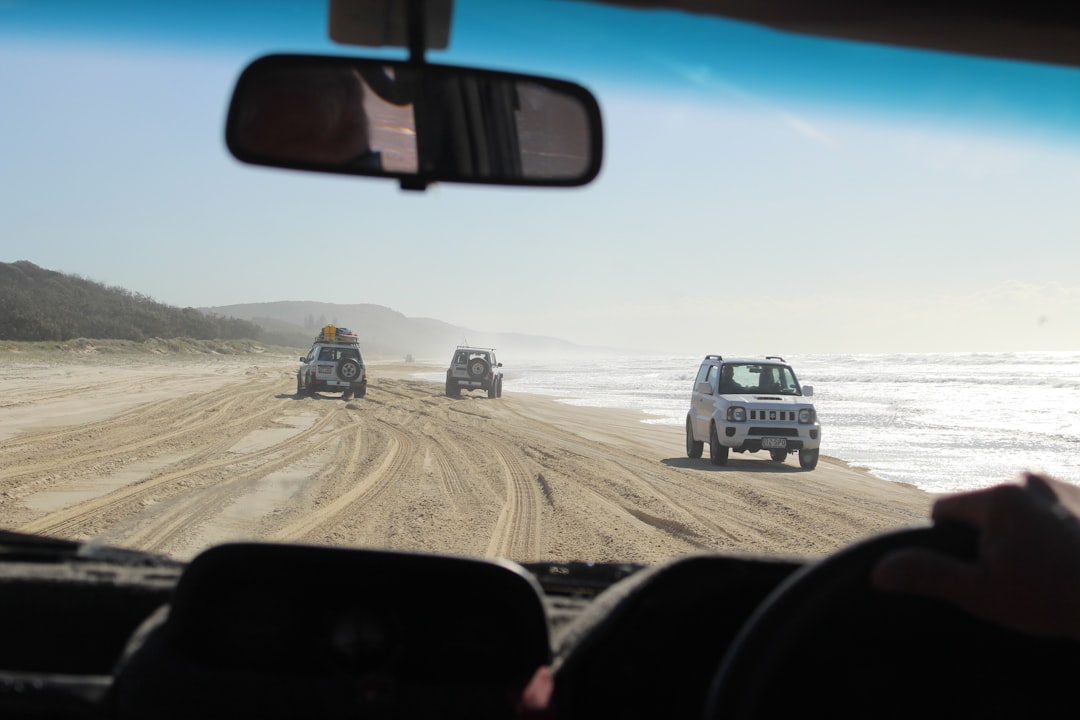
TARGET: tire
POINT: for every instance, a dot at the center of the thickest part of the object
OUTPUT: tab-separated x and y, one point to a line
478	368
498	384
299	385
808	459
778	455
493	390
346	395
718	453
360	392
452	390
694	447
348	370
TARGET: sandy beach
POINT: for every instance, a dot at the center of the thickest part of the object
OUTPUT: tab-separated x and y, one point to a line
175	455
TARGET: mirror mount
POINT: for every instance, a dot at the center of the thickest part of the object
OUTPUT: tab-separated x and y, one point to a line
417	42
417	48
384	23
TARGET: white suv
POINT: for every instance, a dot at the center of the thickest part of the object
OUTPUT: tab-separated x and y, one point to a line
473	368
751	404
334	364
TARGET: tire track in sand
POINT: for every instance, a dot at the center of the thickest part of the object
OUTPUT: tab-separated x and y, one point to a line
132	433
208	504
517	530
71	521
398	453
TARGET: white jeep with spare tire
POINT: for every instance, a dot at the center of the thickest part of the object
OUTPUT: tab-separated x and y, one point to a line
473	368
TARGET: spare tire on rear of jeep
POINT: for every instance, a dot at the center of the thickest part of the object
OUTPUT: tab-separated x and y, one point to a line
348	370
478	368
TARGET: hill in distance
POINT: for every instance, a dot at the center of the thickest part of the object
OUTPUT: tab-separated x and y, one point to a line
38	305
387	333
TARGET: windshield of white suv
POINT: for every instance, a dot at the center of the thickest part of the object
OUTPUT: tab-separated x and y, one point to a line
752	378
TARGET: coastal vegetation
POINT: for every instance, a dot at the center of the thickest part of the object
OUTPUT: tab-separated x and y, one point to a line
37	304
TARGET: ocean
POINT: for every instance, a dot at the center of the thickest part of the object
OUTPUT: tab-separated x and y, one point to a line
941	422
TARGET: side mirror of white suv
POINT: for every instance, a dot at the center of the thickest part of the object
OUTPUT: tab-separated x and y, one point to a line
703	388
808	390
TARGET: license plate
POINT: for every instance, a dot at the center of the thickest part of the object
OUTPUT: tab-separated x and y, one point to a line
773	443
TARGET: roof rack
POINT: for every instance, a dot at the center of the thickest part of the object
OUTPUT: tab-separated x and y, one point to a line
332	333
713	357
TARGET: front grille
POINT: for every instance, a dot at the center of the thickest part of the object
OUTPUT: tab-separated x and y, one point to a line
775	431
773	415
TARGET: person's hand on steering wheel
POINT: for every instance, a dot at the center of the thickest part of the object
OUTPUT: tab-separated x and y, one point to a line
1027	573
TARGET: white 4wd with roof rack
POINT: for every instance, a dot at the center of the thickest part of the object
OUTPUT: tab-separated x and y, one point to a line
334	364
473	368
751	404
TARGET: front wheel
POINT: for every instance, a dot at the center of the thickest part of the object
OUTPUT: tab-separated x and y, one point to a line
693	447
778	455
718	453
808	459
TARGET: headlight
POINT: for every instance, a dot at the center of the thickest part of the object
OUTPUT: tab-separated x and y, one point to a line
736	414
806	415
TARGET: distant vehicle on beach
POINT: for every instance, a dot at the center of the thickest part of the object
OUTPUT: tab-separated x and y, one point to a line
473	368
749	404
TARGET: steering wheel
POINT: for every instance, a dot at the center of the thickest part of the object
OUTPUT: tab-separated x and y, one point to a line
825	643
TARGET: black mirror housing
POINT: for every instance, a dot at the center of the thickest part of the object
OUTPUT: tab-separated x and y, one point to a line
416	122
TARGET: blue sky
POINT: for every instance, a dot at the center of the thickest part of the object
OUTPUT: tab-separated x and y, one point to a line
918	203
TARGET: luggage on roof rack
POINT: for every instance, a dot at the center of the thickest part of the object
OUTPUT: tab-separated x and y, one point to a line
332	333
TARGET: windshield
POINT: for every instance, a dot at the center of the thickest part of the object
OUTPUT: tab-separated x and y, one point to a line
749	378
899	225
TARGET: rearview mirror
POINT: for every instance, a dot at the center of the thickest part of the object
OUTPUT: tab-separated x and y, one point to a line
418	122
